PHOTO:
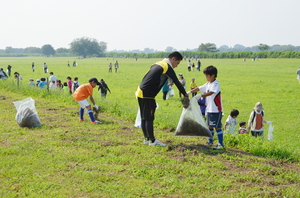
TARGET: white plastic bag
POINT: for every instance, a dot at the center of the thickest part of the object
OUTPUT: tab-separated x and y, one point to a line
138	119
270	132
26	113
191	122
170	93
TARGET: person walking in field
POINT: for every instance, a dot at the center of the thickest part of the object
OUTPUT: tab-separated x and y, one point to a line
103	88
45	68
214	109
81	94
189	65
298	72
32	66
198	65
116	66
110	68
256	120
150	86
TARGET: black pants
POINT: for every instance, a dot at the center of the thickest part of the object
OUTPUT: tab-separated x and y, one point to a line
147	108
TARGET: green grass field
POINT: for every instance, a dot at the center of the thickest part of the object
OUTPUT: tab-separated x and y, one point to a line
64	158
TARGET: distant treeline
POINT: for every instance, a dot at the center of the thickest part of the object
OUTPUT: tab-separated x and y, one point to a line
187	54
213	55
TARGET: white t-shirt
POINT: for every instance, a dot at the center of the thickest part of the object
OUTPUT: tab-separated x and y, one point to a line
230	127
298	72
214	101
52	84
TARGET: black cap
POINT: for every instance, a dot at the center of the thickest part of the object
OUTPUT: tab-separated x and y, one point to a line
95	80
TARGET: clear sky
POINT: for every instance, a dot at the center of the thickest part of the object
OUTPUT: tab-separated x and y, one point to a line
156	24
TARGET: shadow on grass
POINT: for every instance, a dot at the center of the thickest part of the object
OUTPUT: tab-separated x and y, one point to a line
200	148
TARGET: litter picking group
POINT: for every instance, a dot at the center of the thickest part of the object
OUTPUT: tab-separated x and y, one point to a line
191	122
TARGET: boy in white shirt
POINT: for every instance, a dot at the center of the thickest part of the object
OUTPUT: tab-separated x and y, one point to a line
214	108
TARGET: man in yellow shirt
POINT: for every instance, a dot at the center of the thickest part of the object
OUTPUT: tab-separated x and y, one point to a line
81	94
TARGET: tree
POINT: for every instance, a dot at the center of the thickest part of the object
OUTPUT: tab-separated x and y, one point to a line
62	50
48	50
263	47
87	47
207	47
32	50
170	49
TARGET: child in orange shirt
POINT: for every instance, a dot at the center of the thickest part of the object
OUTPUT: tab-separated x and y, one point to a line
81	94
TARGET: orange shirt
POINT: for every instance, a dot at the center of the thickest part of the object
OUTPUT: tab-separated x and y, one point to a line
83	92
259	121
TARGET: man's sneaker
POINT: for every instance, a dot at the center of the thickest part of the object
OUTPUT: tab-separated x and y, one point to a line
81	120
146	142
209	144
96	122
156	142
218	147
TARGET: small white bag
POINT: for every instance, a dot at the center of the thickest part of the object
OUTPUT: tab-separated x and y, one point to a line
270	132
138	119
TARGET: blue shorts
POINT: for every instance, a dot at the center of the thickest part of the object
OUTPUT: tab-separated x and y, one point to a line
214	120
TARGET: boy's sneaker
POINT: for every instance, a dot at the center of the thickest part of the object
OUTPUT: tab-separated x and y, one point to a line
209	144
156	142
146	142
96	122
218	147
81	120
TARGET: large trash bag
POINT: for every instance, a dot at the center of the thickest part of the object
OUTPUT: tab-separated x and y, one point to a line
26	113
191	122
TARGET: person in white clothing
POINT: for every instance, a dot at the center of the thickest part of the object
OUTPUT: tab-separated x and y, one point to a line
298	72
231	122
52	81
214	109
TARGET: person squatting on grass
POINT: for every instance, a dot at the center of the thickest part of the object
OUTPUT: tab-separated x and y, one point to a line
256	120
211	90
81	94
150	86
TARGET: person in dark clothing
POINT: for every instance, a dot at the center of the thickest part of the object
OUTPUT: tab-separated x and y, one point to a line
103	88
150	86
9	70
